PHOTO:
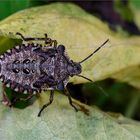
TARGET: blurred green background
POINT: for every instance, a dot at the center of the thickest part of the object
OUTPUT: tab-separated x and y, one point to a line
121	97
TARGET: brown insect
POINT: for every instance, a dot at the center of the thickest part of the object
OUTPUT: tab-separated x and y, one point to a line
33	68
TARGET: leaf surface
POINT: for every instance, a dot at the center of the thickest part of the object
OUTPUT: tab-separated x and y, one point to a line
60	122
81	33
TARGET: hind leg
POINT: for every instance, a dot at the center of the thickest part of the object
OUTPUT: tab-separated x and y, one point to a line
5	100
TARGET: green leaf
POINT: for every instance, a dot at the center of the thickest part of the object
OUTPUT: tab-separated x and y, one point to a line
7	43
8	7
135	5
81	33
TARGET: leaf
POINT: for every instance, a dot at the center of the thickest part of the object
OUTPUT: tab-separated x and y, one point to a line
11	6
81	33
60	121
136	5
7	43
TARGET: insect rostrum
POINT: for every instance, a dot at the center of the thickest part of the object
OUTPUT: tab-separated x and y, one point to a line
33	68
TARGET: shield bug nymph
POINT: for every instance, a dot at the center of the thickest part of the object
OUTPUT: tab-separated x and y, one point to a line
33	68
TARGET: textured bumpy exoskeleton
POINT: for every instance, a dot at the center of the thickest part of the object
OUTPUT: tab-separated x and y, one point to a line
33	68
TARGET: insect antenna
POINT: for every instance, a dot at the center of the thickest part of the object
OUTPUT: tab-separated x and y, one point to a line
99	87
94	51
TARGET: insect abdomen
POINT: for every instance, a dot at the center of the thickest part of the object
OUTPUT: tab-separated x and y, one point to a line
20	69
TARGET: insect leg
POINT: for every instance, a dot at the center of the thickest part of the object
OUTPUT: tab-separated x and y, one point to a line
5	99
31	38
80	107
47	104
53	43
47	40
70	100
